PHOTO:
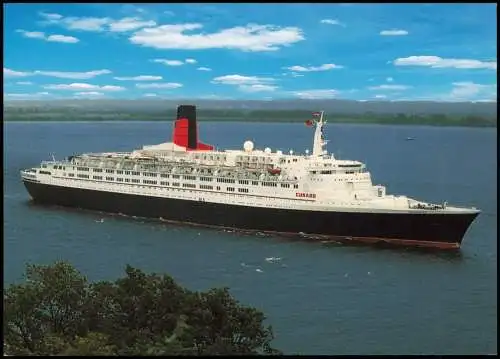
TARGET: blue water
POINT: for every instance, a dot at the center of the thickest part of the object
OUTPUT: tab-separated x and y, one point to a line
319	298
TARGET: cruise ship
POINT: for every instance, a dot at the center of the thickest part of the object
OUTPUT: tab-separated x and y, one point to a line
312	194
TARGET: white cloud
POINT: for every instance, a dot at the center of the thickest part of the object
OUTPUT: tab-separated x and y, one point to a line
191	61
165	85
380	96
257	88
32	34
11	73
331	22
204	69
24	83
323	67
51	38
251	37
97	23
316	94
247	83
393	32
241	80
438	62
466	91
73	75
389	79
26	95
89	93
63	38
150	95
389	87
129	24
169	62
51	16
139	78
84	87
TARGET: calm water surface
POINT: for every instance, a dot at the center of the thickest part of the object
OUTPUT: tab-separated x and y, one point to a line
320	298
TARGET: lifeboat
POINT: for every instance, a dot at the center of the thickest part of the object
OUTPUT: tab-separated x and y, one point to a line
274	171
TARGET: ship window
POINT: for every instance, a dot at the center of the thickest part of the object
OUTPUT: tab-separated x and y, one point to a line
44	172
96	170
218	188
177	184
119	179
127	172
175	176
110	171
164	175
70	174
127	179
204	186
83	176
295	186
109	179
243	190
164	183
230	189
44	166
188	185
119	172
255	183
135	180
135	173
313	172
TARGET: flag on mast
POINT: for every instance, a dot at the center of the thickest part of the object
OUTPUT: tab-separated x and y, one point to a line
309	123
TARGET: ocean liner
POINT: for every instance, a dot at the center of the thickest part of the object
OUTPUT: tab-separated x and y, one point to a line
311	194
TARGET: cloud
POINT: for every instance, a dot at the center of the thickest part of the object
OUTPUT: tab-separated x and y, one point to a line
97	24
466	91
241	80
150	95
380	96
257	88
165	85
389	79
438	62
394	32
89	93
32	34
251	37
323	67
247	83
389	87
63	38
316	94
26	95
84	87
73	75
24	83
51	16
331	22
11	73
169	62
139	78
129	24
191	61
51	38
204	69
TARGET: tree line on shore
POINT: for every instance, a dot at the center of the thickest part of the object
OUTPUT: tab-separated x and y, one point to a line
57	311
73	114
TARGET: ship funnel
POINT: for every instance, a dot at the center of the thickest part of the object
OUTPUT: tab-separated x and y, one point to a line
186	129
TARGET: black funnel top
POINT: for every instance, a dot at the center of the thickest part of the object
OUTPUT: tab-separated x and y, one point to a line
189	112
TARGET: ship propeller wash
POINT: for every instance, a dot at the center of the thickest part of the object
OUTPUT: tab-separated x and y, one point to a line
311	194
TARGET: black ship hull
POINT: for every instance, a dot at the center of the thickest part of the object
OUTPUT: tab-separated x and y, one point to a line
424	230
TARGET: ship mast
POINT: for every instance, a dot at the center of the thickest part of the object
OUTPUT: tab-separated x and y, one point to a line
319	141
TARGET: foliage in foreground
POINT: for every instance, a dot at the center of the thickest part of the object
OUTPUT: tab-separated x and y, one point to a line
58	312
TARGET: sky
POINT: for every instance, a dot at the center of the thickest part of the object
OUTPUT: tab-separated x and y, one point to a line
386	52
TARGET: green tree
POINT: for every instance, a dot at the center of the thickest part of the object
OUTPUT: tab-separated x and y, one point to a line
57	311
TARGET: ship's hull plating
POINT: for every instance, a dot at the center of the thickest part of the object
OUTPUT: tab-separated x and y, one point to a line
427	230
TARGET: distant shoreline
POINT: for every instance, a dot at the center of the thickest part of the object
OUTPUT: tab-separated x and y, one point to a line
331	121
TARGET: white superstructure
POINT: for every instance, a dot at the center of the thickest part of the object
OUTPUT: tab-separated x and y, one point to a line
248	177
